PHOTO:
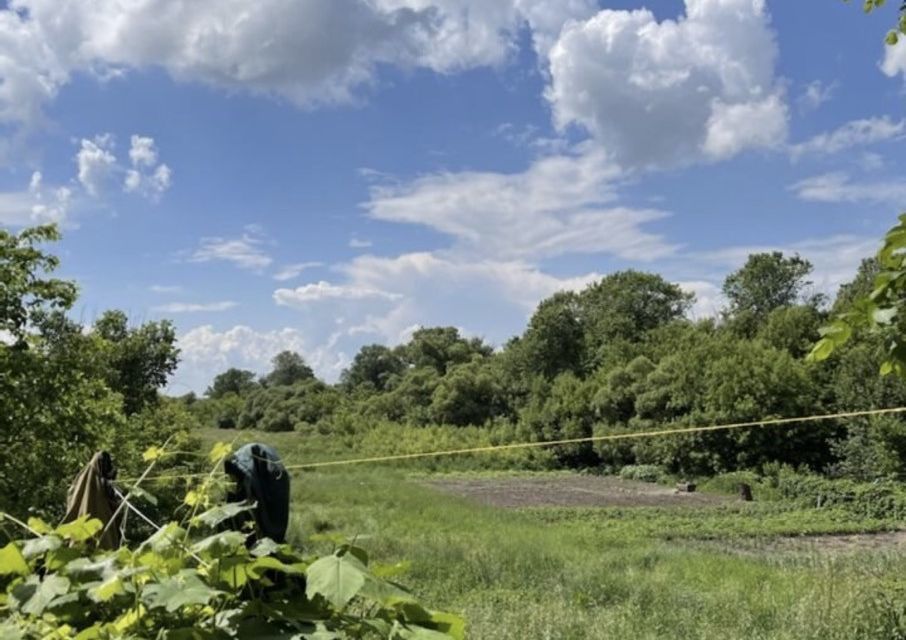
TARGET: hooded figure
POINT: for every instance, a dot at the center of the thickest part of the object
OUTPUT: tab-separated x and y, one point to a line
92	494
261	478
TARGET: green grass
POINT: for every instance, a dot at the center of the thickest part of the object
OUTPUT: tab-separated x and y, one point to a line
601	573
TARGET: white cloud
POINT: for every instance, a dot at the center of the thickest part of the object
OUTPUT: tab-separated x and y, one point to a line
244	252
304	51
291	271
816	93
142	151
709	299
852	134
39	204
839	187
191	307
673	92
318	291
557	206
96	163
894	61
359	243
165	288
146	176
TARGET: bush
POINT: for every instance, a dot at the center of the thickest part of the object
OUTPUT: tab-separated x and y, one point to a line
643	473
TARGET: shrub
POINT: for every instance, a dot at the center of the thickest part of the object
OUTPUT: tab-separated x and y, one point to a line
642	472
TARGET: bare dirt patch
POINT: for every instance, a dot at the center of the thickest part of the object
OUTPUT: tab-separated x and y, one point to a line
569	491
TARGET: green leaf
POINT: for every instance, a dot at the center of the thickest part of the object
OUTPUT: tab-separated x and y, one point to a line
215	515
107	590
81	529
220	542
39	546
884	315
174	593
337	578
821	351
34	596
12	561
167	537
153	453
892	38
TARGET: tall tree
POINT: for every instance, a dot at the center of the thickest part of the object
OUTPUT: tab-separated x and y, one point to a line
26	287
441	348
373	367
232	380
766	282
141	359
289	368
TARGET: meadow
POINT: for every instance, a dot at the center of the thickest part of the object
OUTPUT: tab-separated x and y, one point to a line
722	570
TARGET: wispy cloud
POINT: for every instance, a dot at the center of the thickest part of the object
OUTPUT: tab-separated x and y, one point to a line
855	133
359	243
245	252
193	307
290	271
165	288
839	187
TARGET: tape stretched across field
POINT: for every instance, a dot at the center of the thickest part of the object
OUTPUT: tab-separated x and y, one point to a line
553	443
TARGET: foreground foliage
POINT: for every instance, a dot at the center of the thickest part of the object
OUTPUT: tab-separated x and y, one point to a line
198	579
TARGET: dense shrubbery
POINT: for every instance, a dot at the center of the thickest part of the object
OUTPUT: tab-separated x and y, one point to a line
617	357
67	390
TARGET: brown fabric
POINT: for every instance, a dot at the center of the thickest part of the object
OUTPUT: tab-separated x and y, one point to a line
91	493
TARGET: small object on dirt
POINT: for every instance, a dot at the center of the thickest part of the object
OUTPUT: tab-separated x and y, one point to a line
745	492
685	487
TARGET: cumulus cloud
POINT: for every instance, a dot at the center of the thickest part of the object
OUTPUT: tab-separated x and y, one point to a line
146	176
96	163
701	87
359	243
560	204
855	133
305	51
245	252
839	187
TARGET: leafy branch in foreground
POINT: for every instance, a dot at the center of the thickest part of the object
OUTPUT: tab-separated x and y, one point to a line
207	585
883	310
893	36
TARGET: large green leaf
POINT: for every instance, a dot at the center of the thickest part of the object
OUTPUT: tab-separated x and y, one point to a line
34	596
81	529
215	515
338	578
12	562
176	592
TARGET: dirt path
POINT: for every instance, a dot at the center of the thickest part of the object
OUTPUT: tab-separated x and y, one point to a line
569	491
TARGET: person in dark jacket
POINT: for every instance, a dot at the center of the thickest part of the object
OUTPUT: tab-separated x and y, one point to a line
261	478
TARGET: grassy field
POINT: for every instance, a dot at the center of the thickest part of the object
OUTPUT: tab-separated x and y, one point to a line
647	572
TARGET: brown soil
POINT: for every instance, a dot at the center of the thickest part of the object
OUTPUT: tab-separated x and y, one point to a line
569	491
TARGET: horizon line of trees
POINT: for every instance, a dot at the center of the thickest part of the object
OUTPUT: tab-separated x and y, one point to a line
620	355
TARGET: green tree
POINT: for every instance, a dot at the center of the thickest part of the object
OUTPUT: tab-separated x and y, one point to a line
624	306
554	341
441	348
26	286
140	359
469	394
374	367
766	282
288	368
233	380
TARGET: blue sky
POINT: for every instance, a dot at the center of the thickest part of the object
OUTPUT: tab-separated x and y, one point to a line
323	174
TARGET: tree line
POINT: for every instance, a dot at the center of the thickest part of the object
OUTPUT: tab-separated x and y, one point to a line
621	355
